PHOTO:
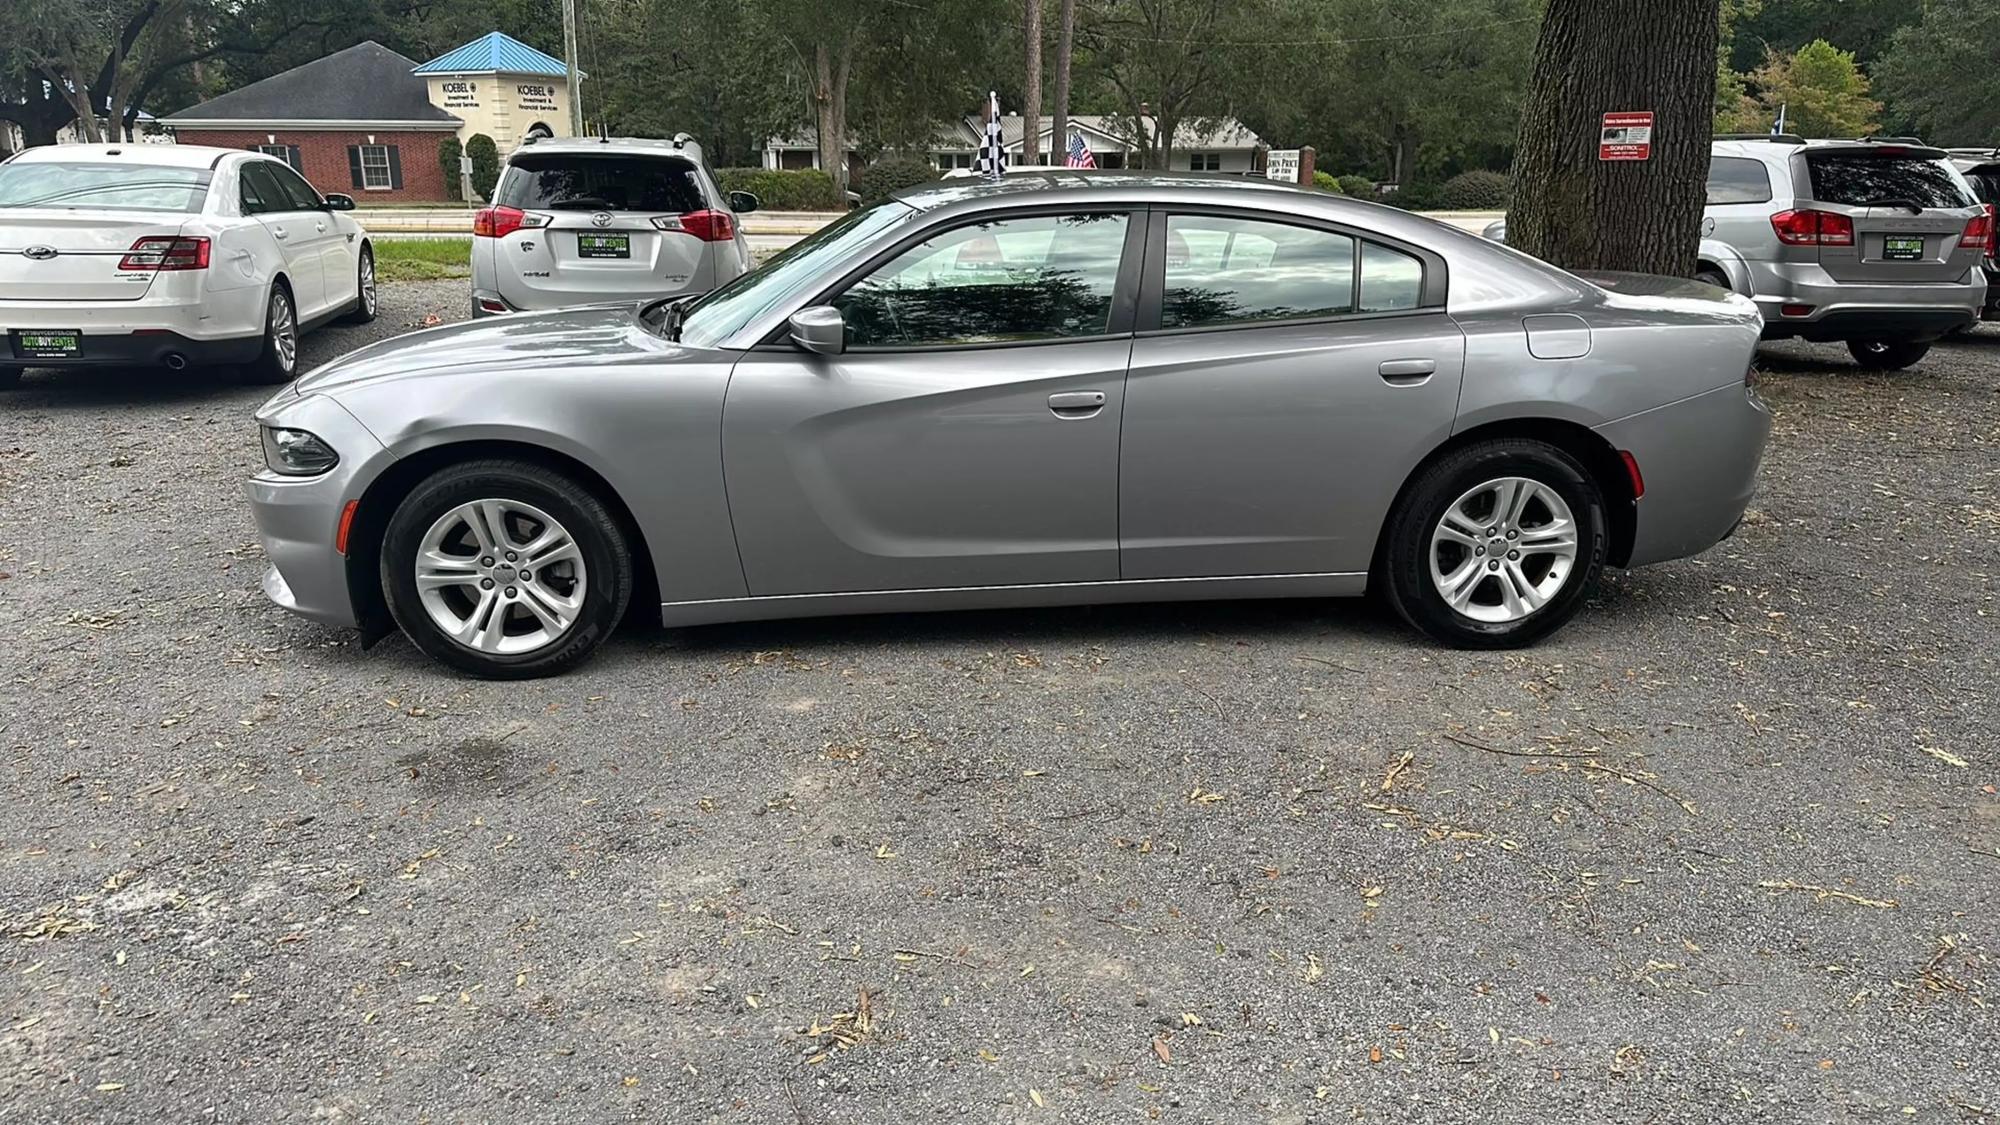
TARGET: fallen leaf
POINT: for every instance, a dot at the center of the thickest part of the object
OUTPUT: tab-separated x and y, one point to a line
1161	1049
1035	1096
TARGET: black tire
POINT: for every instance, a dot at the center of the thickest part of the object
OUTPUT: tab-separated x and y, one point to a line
1406	559
1713	277
368	300
606	560
10	377
276	363
1887	355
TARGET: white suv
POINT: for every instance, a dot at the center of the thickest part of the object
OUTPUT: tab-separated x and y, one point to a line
582	220
170	256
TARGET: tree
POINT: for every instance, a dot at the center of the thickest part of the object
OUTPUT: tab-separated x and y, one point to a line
1031	86
1599	56
1065	37
1821	91
1786	25
1940	74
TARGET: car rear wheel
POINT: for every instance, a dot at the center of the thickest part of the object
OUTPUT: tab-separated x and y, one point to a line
1496	545
279	361
364	288
1886	355
1712	277
505	569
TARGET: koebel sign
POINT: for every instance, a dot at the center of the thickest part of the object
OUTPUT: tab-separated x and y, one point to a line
1626	136
535	97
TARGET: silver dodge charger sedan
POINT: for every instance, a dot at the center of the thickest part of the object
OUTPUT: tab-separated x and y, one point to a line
1056	389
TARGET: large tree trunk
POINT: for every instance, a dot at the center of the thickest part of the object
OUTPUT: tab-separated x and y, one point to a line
1031	94
1603	56
1059	126
830	66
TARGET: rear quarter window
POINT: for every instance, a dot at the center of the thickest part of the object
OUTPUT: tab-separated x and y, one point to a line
1859	179
562	181
1737	179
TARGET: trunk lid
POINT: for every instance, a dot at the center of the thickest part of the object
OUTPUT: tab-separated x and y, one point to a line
1909	209
72	255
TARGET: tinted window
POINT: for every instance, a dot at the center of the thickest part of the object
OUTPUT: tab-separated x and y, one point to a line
559	181
1226	271
1985	184
1858	180
1390	279
261	193
296	189
124	187
1734	179
1034	278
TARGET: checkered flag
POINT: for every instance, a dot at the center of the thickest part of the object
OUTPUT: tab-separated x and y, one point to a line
992	162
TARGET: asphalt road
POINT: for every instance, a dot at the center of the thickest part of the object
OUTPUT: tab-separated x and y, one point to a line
1727	849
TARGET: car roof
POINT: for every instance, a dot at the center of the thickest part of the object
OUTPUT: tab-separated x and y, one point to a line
167	156
682	146
1110	186
1782	146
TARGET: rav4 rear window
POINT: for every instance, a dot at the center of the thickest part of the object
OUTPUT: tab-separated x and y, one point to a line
115	187
567	181
1859	179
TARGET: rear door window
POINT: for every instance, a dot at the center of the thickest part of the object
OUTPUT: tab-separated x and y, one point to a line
1222	270
262	194
563	181
1860	179
1736	179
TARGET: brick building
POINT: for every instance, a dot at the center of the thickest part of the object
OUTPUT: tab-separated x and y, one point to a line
357	121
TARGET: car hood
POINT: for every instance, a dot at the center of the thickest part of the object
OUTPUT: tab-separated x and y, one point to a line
563	339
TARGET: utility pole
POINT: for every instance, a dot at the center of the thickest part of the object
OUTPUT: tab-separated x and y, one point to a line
569	60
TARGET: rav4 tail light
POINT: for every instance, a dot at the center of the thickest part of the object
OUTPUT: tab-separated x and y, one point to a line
1979	232
499	222
709	226
163	253
1813	228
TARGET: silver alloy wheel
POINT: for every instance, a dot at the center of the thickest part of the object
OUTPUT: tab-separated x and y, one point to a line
284	330
500	577
1503	550
368	283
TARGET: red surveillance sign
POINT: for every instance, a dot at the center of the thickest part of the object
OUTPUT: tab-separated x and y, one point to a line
1626	136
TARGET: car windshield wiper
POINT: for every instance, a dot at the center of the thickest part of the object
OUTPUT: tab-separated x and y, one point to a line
1910	205
580	203
671	311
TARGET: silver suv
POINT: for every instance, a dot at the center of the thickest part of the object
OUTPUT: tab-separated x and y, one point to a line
1876	242
583	220
1981	169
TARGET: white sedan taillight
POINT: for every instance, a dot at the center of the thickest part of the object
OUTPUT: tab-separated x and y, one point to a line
163	253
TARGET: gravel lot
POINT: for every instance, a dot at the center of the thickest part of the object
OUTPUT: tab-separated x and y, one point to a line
1727	849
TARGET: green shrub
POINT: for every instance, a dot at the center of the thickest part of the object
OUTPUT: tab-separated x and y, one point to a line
485	164
1475	191
801	189
449	151
1415	197
890	175
1360	187
1327	182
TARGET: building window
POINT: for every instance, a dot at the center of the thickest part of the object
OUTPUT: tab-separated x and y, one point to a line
286	153
946	161
1204	162
375	168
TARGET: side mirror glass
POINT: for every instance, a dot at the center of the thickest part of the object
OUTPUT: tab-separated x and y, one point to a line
820	330
742	202
337	202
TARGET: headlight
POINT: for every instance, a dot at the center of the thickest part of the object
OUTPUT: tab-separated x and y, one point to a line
296	453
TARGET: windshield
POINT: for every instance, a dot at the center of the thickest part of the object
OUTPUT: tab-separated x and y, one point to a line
119	187
724	312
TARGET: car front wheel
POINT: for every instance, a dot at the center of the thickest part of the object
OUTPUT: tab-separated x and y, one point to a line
1886	355
1496	545
505	569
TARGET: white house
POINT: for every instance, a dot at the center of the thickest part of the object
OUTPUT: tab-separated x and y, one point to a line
1209	145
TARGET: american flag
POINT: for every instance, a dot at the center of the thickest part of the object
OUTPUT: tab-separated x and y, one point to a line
992	160
1079	153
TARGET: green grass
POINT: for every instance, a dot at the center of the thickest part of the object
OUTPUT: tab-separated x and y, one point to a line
422	259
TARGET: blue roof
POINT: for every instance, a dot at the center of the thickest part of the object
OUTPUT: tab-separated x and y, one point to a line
495	52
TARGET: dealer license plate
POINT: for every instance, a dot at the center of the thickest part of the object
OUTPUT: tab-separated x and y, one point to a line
1902	249
47	344
603	245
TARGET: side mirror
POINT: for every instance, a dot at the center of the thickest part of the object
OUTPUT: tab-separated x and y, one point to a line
742	202
337	202
819	330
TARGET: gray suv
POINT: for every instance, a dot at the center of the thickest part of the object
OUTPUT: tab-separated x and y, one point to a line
584	220
1981	169
1877	243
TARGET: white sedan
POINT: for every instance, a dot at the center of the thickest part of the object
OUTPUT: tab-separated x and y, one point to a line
171	256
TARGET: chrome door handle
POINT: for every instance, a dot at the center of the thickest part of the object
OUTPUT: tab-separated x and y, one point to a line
278	232
320	227
1407	370
1076	404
